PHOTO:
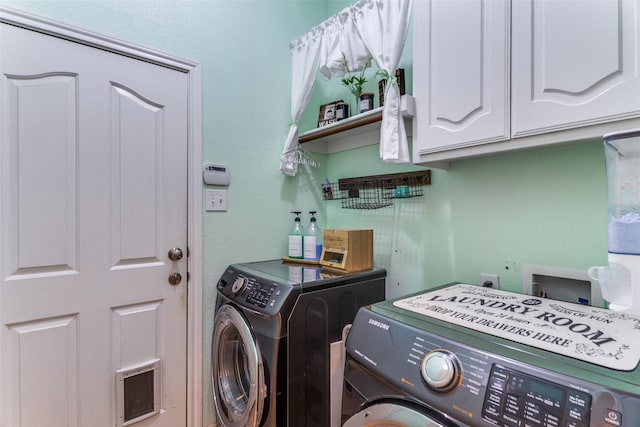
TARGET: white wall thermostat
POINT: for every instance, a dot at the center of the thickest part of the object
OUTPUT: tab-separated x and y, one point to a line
215	174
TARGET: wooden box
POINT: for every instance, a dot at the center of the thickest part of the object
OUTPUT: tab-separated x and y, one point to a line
347	250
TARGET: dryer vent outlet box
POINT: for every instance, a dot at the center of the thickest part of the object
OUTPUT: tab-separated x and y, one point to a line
561	284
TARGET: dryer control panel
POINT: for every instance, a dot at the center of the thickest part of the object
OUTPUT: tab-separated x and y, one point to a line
261	294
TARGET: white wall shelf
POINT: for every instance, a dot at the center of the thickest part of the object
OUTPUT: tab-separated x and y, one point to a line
355	131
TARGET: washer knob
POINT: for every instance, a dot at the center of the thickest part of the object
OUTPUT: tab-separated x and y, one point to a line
441	370
238	285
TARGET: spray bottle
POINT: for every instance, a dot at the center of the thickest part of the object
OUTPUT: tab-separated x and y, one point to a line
313	239
295	238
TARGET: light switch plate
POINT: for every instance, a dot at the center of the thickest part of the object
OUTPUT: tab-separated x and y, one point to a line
216	200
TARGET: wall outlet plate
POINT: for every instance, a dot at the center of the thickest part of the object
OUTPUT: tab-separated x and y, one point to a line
493	278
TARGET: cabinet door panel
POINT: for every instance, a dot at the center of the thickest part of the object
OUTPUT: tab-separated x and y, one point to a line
574	63
461	73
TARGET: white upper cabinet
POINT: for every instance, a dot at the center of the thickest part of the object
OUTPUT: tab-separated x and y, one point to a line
497	75
461	79
575	63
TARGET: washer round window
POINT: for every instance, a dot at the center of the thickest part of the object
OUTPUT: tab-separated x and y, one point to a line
237	372
388	414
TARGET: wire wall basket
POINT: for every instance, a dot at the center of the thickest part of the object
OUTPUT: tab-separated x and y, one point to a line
376	191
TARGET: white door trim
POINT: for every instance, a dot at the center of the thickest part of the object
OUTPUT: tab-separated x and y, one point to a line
195	186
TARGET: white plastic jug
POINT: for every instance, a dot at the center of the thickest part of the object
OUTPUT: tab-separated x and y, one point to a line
615	284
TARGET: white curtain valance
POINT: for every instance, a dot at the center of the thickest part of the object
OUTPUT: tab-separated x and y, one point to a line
341	41
369	29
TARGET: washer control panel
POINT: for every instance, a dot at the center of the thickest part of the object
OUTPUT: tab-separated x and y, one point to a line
517	399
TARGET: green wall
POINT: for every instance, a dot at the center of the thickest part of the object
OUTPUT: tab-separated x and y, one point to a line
489	215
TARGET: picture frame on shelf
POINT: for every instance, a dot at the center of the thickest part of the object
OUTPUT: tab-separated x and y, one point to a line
382	85
327	113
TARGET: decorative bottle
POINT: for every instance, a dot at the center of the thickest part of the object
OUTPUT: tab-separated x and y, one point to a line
295	238
313	239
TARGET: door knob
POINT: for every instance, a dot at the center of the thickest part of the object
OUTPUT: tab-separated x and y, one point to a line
175	278
175	254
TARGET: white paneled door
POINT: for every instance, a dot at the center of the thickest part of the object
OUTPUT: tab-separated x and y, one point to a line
93	197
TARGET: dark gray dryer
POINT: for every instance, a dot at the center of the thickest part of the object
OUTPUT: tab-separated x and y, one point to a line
276	331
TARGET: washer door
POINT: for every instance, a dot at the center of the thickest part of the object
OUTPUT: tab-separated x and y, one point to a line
392	415
237	373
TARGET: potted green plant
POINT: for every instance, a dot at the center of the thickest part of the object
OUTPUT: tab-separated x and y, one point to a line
354	80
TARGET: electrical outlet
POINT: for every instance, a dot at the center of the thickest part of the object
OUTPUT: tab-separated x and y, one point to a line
216	200
494	279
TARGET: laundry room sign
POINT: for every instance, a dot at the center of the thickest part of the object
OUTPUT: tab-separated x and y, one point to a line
591	334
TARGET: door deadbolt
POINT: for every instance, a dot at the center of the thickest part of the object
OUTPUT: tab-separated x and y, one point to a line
175	254
175	278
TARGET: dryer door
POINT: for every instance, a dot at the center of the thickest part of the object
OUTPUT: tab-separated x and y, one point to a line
389	414
237	373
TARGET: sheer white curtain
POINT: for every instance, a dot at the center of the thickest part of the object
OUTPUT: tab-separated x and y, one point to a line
323	48
305	59
374	29
383	26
